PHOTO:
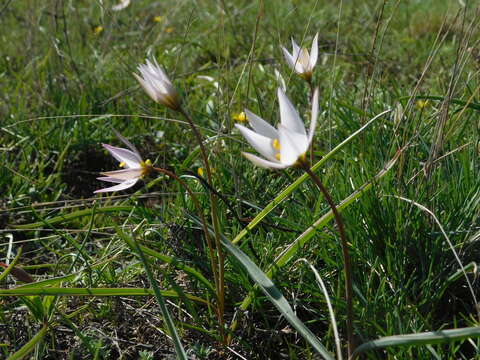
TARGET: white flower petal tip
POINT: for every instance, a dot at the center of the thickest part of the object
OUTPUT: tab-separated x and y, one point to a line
157	85
134	167
121	5
300	60
285	146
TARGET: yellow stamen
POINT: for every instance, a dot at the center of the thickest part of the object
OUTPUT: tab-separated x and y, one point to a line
98	30
277	156
169	30
122	164
157	19
276	144
240	117
200	171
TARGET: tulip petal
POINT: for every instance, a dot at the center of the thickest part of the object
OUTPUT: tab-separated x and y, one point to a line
288	114
289	59
261	126
314	52
126	174
262	162
147	87
131	159
296	49
288	151
261	143
122	186
313	121
126	142
110	179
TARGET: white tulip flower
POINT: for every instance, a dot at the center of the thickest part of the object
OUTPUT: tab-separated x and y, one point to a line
135	167
300	60
285	146
157	85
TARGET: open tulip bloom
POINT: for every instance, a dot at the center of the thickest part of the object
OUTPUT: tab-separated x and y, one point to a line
157	85
285	146
300	60
134	167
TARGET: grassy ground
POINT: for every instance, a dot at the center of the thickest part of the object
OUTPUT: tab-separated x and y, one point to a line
66	80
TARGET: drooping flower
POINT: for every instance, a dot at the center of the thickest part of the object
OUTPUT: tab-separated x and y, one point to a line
157	85
285	146
300	60
134	167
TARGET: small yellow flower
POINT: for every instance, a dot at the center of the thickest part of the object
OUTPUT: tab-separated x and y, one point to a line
98	30
240	117
200	171
157	19
422	104
169	29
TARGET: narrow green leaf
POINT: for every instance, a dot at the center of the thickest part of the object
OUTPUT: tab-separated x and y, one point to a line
179	265
73	215
172	330
276	297
471	105
29	346
425	338
26	291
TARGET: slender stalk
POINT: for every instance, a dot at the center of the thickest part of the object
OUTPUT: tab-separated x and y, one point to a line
346	257
220	284
213	261
312	92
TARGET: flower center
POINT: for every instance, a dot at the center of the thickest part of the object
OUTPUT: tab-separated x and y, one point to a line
122	164
276	146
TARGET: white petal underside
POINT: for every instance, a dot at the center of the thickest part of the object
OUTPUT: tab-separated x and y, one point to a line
261	126
289	152
122	186
314	52
131	159
110	179
262	162
298	141
261	143
126	174
125	141
289	58
288	114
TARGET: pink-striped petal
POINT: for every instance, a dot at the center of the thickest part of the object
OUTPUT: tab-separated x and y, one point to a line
122	186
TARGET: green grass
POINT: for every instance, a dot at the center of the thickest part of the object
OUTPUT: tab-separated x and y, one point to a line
64	86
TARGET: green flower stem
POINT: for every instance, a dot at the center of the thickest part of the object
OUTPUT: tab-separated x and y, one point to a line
213	262
346	257
220	281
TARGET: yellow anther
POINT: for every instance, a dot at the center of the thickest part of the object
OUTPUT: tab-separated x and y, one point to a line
122	164
276	144
157	19
148	162
98	30
277	156
240	117
169	29
200	171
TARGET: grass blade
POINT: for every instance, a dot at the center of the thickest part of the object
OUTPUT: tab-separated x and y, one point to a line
425	338
276	297
181	355
29	346
58	291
